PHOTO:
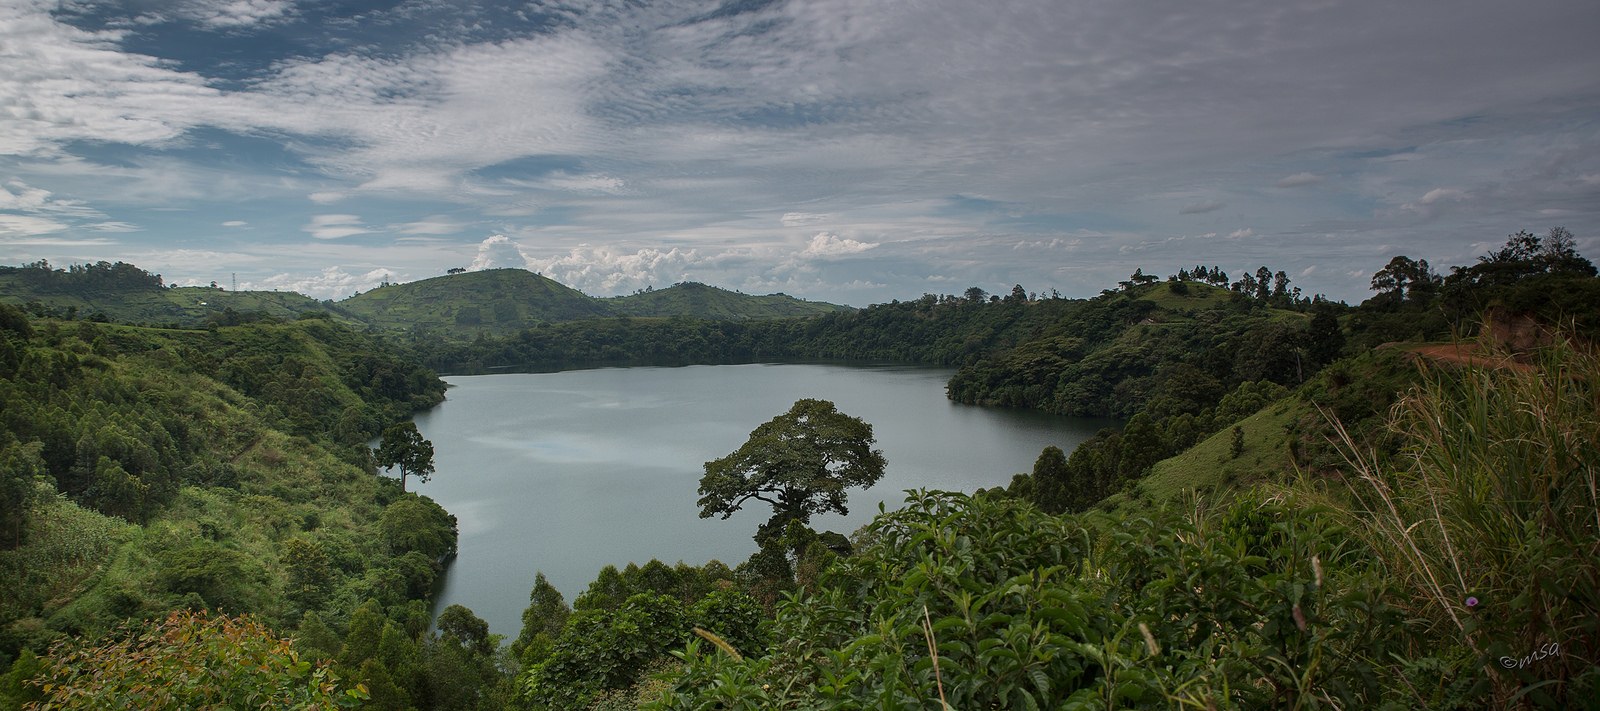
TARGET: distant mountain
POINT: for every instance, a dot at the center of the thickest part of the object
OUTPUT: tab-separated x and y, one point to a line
493	300
696	300
466	304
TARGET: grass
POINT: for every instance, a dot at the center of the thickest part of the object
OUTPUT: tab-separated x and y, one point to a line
1210	464
1489	519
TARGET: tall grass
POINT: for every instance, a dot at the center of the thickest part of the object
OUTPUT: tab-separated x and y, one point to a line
1489	523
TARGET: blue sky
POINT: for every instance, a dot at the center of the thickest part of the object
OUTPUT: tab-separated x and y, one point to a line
854	151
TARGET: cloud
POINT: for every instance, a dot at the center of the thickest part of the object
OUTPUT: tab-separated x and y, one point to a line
603	184
28	226
235	223
825	245
325	197
335	226
113	226
432	225
232	14
606	271
1299	180
19	196
1441	194
1433	202
1201	208
800	219
499	252
331	283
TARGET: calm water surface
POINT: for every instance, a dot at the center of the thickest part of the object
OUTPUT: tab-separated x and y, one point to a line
566	472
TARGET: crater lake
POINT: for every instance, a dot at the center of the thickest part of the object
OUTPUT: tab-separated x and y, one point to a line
567	472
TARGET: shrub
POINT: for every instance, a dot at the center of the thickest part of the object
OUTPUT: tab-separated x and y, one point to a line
190	660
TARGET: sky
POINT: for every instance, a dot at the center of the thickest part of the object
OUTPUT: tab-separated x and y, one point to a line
853	151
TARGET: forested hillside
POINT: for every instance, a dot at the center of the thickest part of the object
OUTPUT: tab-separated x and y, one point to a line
126	294
152	470
460	305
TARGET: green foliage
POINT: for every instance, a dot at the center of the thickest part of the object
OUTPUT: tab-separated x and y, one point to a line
416	523
800	462
546	614
190	660
459	626
1027	610
1052	481
222	577
403	446
603	650
310	573
21	468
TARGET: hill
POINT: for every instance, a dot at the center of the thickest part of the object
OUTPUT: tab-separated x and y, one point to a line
146	470
496	301
125	294
492	301
696	300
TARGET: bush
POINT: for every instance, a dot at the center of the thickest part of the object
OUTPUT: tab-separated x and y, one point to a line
190	660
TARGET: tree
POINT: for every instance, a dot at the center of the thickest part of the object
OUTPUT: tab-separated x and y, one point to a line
403	446
1403	279
20	466
800	462
1050	480
546	614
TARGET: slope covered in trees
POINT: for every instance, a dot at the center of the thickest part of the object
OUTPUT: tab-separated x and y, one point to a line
151	470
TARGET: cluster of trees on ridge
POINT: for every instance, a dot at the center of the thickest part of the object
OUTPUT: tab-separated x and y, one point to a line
1317	593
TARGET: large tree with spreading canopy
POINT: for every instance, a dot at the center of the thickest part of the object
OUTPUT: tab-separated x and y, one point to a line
800	462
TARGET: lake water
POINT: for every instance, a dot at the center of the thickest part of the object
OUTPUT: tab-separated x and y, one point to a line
567	472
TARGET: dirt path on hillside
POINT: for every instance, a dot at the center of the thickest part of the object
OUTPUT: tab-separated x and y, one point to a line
1466	354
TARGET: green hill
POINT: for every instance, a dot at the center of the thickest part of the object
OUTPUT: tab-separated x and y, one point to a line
494	301
696	300
125	294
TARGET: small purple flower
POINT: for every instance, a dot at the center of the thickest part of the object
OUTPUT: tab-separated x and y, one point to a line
1472	602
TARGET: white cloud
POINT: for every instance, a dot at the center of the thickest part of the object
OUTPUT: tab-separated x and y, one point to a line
1199	208
1299	180
431	225
604	271
800	219
1433	202
499	252
19	196
603	184
235	223
826	244
325	197
335	226
27	226
113	226
230	14
1441	194
331	283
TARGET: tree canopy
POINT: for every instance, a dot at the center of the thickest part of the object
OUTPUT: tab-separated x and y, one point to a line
403	446
800	462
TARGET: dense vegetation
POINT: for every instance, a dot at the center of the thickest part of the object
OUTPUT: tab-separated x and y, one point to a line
1289	516
146	470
